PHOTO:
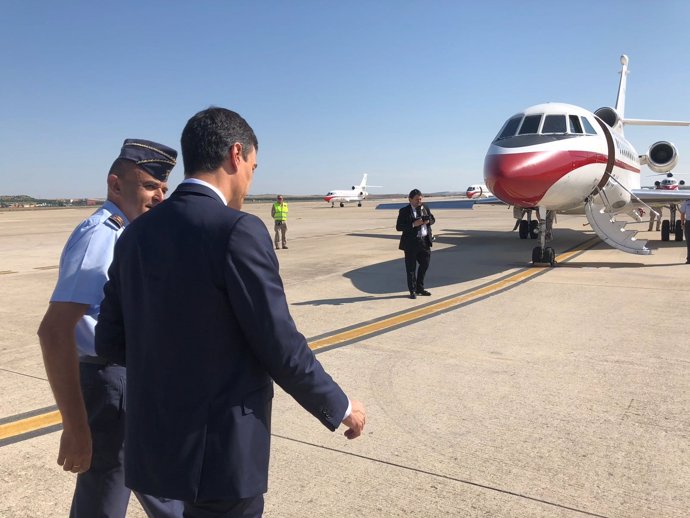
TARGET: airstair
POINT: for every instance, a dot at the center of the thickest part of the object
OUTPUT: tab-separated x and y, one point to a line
613	232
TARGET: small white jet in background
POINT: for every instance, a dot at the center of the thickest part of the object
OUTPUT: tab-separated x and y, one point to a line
357	193
478	190
669	183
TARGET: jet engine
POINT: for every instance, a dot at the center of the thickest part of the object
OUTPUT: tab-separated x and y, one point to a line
661	157
609	116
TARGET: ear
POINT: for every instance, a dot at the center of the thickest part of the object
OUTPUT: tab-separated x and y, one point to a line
235	155
114	184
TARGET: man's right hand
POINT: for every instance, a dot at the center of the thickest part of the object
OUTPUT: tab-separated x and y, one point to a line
75	449
355	421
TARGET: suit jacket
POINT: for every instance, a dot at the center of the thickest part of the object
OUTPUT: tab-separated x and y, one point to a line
409	241
196	310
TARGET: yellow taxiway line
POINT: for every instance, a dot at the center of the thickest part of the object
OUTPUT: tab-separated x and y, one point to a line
29	424
431	309
38	422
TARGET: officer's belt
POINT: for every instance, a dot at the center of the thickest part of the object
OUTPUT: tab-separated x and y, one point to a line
96	360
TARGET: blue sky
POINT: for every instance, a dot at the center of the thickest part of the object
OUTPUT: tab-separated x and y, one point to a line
409	92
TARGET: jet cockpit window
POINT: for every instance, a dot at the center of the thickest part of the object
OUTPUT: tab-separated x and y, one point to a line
530	124
589	129
554	124
575	125
510	128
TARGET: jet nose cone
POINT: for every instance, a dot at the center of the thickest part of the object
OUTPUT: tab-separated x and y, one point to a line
523	178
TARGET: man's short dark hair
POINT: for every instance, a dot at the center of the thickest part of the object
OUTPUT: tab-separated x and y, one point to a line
122	167
208	136
414	192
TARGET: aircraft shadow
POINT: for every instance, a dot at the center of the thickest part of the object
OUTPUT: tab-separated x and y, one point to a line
346	300
472	255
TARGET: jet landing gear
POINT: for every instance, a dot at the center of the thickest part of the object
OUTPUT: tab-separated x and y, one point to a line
529	227
672	227
543	254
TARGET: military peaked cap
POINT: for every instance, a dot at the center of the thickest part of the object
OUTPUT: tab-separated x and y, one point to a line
156	159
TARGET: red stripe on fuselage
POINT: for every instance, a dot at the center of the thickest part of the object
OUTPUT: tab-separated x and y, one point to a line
524	178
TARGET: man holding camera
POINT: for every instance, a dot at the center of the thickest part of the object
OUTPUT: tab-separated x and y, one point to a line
414	221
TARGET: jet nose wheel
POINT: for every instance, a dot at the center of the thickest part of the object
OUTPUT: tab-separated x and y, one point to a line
543	256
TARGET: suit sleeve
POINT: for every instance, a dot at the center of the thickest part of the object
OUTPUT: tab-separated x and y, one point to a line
432	219
110	333
404	220
256	294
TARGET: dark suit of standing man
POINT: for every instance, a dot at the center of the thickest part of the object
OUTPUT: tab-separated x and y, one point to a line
414	221
196	307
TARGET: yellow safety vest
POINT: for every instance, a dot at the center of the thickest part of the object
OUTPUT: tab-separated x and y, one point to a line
280	211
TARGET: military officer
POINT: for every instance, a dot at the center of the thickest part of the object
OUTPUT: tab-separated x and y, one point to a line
89	390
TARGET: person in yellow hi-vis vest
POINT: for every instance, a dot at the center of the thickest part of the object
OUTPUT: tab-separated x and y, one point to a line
279	211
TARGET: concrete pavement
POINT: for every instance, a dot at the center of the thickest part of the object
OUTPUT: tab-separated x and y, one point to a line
551	392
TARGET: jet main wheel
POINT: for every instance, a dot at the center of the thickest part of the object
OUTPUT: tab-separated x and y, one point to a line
678	231
523	230
359	204
665	230
536	255
342	204
534	229
549	256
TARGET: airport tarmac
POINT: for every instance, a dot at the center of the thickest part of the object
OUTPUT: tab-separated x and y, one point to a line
513	391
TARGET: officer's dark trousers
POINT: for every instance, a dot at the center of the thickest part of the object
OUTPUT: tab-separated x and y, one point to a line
101	491
416	255
245	508
687	239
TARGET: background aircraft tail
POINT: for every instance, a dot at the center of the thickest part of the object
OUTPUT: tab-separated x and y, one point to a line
620	100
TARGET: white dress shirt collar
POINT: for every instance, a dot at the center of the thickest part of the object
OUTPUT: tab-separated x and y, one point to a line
206	184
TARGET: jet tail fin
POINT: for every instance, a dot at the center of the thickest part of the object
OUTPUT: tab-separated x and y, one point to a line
620	100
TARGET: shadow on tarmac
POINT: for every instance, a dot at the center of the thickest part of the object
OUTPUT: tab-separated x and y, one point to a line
470	255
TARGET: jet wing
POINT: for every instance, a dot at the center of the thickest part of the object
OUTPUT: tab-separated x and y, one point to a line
661	196
446	204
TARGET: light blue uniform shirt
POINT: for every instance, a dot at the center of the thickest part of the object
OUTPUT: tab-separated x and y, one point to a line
84	270
685	209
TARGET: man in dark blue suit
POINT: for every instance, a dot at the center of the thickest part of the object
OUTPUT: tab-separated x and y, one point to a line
195	307
414	221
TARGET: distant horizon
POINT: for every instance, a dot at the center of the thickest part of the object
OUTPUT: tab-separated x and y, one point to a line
265	195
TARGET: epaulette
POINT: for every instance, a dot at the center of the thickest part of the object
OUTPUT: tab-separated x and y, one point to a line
117	221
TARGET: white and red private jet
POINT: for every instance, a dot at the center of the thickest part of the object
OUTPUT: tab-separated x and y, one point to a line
669	183
556	157
358	193
478	190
